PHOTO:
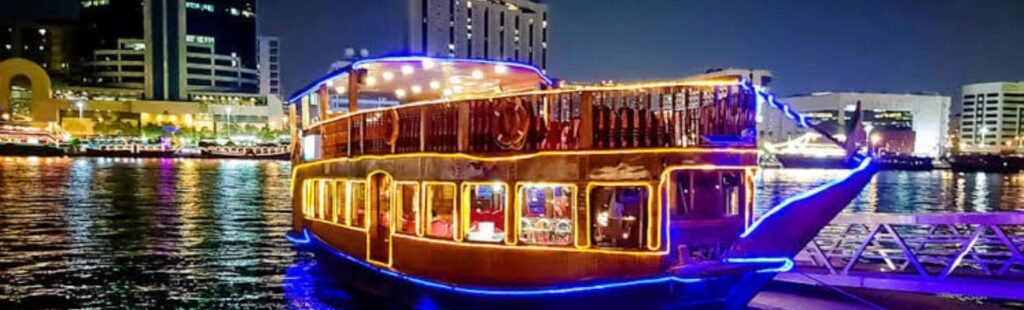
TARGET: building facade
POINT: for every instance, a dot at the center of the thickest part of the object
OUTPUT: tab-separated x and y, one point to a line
515	30
268	55
913	124
992	117
50	44
171	48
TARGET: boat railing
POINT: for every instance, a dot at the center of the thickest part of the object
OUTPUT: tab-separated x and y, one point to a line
664	115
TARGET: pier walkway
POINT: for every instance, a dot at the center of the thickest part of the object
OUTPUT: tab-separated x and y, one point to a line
973	254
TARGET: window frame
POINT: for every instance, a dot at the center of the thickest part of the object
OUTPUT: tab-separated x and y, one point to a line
428	209
417	208
464	216
520	202
651	228
352	205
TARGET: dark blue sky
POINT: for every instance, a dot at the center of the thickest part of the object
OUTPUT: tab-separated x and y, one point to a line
848	45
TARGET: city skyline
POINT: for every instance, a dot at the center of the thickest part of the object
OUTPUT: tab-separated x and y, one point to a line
872	46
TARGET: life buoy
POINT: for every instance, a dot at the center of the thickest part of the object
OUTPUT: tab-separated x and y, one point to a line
511	124
391	127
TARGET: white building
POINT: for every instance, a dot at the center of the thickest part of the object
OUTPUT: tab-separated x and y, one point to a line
925	114
268	56
514	30
992	117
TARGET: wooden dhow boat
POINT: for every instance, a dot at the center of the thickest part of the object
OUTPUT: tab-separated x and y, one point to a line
488	186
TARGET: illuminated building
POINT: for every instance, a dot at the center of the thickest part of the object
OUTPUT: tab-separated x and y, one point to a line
992	117
171	48
78	110
906	123
268	52
50	44
509	30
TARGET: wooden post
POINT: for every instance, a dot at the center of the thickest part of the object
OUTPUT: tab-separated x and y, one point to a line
586	133
325	100
354	75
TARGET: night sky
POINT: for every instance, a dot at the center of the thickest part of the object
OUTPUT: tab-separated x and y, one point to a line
834	45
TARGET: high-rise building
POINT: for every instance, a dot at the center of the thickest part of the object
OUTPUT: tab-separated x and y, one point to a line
514	30
992	117
268	55
172	49
48	44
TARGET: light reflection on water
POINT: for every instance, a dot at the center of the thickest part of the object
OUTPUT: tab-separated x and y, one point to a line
86	233
129	233
904	191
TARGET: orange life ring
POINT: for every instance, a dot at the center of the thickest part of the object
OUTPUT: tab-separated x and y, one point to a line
391	126
511	124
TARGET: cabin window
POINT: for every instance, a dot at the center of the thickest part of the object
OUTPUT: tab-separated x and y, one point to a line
321	199
485	206
358	204
310	198
546	214
617	216
707	194
440	210
408	208
341	203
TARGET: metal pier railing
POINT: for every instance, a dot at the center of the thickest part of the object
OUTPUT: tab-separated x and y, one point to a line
977	254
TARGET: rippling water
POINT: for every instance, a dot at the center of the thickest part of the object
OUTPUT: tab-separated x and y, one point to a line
904	191
143	233
104	233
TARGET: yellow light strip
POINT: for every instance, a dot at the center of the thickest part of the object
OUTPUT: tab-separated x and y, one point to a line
521	156
531	247
373	220
666	184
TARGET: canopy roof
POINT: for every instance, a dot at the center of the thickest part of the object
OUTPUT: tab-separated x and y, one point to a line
419	78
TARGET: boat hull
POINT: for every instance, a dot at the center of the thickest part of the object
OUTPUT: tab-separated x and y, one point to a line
403	291
29	150
274	156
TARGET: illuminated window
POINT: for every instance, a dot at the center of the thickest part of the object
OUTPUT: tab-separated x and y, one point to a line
199	6
341	203
322	199
309	203
617	216
546	214
358	204
408	208
706	194
485	206
440	209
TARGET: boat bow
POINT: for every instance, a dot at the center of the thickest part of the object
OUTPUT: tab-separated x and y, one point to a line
787	228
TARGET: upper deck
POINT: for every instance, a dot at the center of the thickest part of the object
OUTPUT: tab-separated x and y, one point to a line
496	108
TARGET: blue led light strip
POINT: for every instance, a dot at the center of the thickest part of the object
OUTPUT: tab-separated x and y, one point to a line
359	63
789	201
786	265
304	240
761	96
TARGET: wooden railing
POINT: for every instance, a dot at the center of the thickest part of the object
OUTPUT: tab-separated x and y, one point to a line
565	119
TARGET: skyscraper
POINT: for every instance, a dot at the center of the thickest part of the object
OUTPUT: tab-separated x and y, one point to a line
268	54
514	30
172	49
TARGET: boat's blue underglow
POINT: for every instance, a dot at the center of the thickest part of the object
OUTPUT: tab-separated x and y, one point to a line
786	264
